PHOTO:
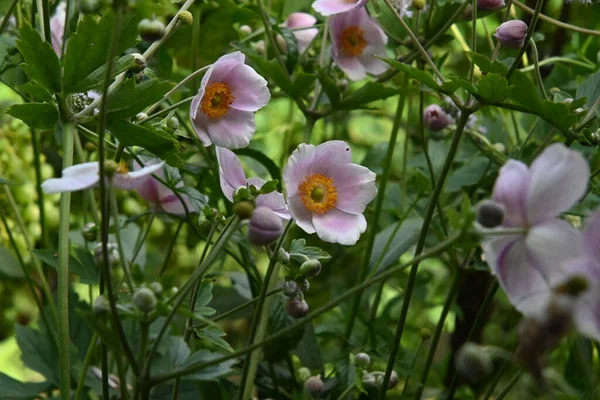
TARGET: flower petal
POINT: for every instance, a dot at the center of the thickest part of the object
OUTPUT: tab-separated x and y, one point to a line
249	89
131	180
337	226
351	66
232	131
76	177
302	216
355	186
511	190
231	173
299	166
199	122
592	236
559	178
275	202
331	154
587	313
173	205
219	71
331	7
303	37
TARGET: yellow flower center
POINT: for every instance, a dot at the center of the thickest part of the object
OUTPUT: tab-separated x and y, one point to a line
318	193
353	41
217	100
123	167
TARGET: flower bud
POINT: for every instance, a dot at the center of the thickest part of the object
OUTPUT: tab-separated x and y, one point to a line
139	63
245	30
265	226
151	30
283	257
113	254
512	34
304	286
499	147
156	287
369	381
243	209
579	110
418	4
101	306
393	380
574	286
314	385
473	362
110	168
296	308
260	47
489	5
173	123
435	118
362	360
90	232
88	6
303	374
425	334
310	268
490	214
568	101
291	289
145	300
90	146
186	17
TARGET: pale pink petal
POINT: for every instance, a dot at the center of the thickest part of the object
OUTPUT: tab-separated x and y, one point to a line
76	177
302	216
587	313
559	178
510	190
373	65
131	180
232	131
200	122
330	155
337	226
373	33
331	7
195	105
592	236
231	173
248	88
222	67
148	190
299	166
355	186
173	205
275	202
352	67
303	37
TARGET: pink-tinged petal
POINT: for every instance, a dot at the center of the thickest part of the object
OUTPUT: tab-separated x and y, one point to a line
372	64
195	105
587	313
592	236
511	190
302	216
275	202
199	122
559	178
76	177
373	33
231	173
248	88
352	67
303	37
337	226
131	180
220	70
330	155
331	7
173	205
299	166
355	186
233	131
148	190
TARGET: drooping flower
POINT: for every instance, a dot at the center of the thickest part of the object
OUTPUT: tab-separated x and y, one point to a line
435	118
512	34
57	27
232	177
158	194
356	40
265	226
490	5
530	263
327	193
331	7
87	175
305	36
223	110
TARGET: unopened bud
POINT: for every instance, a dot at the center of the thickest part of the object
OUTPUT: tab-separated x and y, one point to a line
489	5
151	30
113	254
568	101
89	146
245	30
90	232
139	63
88	6
490	214
574	286
362	360
393	380
186	17
579	110
265	226
418	4
499	147
303	374
156	287
369	381
145	300
473	362
173	123
310	268
314	385
260	47
296	308
435	118
243	209
304	285
283	257
343	84
511	34
101	306
281	43
291	289
425	334
141	116
110	168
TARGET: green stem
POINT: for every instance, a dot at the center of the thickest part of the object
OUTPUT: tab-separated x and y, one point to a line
346	392
364	268
141	240
167	110
84	368
532	24
552	60
271	38
258	315
92	206
170	249
188	78
144	333
421	244
62	292
6	18
473	38
115	214
558	23
536	64
312	316
510	385
527	138
438	332
412	366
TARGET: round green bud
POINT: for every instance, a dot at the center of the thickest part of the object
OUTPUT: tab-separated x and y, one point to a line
303	374
243	209
304	285
310	268
110	168
139	63
151	30
145	300
186	17
291	289
245	30
425	334
574	286
156	287
369	381
101	306
473	362
283	257
89	6
173	123
90	232
418	4
362	360
91	147
490	214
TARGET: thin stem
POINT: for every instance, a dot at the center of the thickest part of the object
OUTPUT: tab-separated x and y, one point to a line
179	85
62	292
346	392
312	316
558	23
271	38
144	333
362	273
89	195
421	244
141	240
167	110
536	64
258	312
473	38
6	18
530	30
590	114
170	249
115	214
527	138
552	60
67	28
86	363
510	385
438	332
412	365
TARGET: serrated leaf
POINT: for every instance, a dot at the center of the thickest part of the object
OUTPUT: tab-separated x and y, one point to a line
86	48
13	389
35	115
214	335
9	265
270	69
95	78
205	295
269	187
279	319
590	89
369	92
209	373
196	199
468	174
37	352
299	246
329	87
302	83
486	65
131	98
81	263
36	91
494	88
41	62
394	241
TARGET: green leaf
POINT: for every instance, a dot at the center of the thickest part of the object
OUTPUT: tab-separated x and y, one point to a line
269	187
468	174
131	98
394	241
9	265
95	78
329	87
308	349
270	69
37	91
291	54
486	65
198	200
81	263
86	48
38	352
302	82
209	373
590	89
14	389
36	115
273	169
41	62
579	370
421	76
203	298
369	92
299	246
279	320
494	88
214	335
157	142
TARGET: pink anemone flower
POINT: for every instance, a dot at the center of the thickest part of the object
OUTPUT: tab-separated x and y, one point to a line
159	195
327	193
331	7
232	177
223	110
87	175
305	36
356	39
529	263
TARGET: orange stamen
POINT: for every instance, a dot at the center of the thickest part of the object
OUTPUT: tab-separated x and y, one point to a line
353	41
318	193
217	100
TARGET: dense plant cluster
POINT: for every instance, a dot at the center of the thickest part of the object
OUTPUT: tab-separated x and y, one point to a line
299	199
